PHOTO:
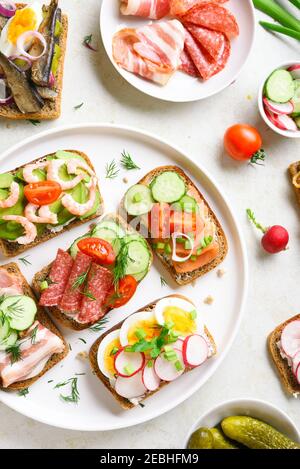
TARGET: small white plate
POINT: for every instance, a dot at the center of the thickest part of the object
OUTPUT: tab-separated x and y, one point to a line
97	409
182	87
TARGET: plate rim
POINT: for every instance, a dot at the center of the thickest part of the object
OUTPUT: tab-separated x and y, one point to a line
160	140
123	73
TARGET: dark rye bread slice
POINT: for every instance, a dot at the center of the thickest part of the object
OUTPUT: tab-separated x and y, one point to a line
11	249
294	169
44	319
186	278
285	372
125	403
51	109
63	318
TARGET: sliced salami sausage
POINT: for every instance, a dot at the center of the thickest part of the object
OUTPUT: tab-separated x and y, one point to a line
180	7
187	64
213	16
59	274
212	41
98	285
72	296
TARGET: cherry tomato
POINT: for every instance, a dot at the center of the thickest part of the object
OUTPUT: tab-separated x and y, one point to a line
99	250
243	142
42	192
126	290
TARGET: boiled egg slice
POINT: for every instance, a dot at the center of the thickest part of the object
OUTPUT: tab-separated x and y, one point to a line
181	313
145	321
105	357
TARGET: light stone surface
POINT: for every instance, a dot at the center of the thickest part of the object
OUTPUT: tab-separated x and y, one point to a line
198	128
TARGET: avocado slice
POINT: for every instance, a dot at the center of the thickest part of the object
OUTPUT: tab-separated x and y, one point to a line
18	208
6	180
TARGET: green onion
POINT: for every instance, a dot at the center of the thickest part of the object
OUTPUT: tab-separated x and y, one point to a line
199	251
208	240
275	11
193	314
140	334
180	240
168	348
137	198
128	369
280	29
150	364
296	3
170	356
44	285
169	324
193	258
168	249
178	365
187	245
114	351
160	246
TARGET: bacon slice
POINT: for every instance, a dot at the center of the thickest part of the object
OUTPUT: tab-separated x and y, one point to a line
9	284
180	7
59	274
72	296
153	9
212	41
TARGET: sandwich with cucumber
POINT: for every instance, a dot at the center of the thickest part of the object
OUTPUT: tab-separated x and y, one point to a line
30	343
294	171
151	348
182	229
45	197
100	271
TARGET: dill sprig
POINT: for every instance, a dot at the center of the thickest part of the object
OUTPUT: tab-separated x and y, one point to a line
14	310
89	295
78	106
111	170
15	353
127	162
74	395
99	326
121	263
82	340
23	392
163	282
79	280
34	121
33	335
24	260
252	218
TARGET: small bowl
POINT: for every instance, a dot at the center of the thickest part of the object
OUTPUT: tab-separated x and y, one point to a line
284	133
261	410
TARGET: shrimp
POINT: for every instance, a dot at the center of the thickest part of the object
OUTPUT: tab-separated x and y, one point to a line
45	216
30	229
53	175
13	198
75	163
29	168
81	209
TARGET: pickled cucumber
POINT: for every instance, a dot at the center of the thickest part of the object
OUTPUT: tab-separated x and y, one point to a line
220	441
255	434
201	439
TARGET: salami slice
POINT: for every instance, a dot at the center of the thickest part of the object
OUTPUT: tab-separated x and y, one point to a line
187	64
72	296
180	7
59	274
212	41
98	285
213	16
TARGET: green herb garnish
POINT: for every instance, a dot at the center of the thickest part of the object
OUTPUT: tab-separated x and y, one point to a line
87	42
99	326
89	295
163	282
23	392
74	395
15	353
33	335
82	340
25	260
127	162
114	351
78	106
111	170
80	280
34	121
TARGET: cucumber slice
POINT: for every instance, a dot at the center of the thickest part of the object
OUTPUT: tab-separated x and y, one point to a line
134	237
20	311
139	277
10	340
111	225
297	120
188	204
74	248
4	328
168	187
138	200
296	99
280	86
110	236
138	258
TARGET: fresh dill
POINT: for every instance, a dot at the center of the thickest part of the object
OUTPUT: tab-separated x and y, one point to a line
24	260
23	392
50	381
33	335
15	353
99	326
121	264
78	106
34	121
82	340
111	170
79	280
127	162
141	405
89	295
15	310
74	394
163	282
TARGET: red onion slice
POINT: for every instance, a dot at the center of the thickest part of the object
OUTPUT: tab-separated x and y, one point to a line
27	62
4	100
21	44
51	80
7	9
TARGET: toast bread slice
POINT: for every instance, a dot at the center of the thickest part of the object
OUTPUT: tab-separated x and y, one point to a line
45	320
186	278
61	317
125	403
294	169
51	109
284	370
11	249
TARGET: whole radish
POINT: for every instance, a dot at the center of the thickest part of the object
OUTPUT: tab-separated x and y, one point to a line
275	238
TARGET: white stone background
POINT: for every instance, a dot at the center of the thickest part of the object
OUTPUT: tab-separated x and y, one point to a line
274	280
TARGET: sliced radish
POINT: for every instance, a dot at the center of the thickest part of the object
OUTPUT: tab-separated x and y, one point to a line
166	370
195	350
295	71
150	379
290	338
271	116
286	123
128	364
297	374
178	344
283	108
131	387
296	362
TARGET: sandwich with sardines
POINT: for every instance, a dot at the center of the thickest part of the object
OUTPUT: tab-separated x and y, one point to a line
33	41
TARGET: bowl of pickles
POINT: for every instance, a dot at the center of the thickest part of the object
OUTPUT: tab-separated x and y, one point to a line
244	424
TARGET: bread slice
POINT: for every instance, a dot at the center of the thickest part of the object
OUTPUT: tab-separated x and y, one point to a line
63	318
186	278
294	169
11	249
125	403
44	319
52	109
285	372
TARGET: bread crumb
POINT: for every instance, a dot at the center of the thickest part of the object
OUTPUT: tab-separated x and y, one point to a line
209	300
82	355
249	97
193	283
221	273
125	180
8	126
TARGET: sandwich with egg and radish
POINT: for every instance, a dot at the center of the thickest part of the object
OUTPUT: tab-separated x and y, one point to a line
151	348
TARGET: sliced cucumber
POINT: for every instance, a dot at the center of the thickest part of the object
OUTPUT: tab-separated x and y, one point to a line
296	99
168	187
20	311
138	200
280	86
297	120
134	237
110	236
111	225
139	277
4	328
138	258
188	204
10	340
74	248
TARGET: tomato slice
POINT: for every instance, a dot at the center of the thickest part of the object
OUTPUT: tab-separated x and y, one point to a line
126	290
42	192
99	250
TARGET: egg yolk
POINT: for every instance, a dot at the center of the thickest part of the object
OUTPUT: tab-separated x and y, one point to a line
150	327
24	20
181	319
109	359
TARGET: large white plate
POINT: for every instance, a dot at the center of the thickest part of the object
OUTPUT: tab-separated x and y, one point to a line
97	410
182	87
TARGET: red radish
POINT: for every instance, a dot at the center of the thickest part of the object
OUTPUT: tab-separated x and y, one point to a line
134	361
130	388
290	338
297	374
195	350
275	238
166	370
295	71
296	362
178	344
286	123
272	117
285	108
150	379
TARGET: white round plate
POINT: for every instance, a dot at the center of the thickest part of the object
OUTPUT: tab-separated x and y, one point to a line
97	409
182	87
